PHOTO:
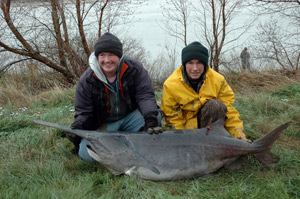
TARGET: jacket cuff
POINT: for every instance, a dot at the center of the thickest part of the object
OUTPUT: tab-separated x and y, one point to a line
237	133
76	125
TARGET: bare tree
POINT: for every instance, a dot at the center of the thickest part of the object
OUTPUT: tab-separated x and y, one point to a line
62	43
101	17
274	43
288	9
26	44
212	25
215	19
176	18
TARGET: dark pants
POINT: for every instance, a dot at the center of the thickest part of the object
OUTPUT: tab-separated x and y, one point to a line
211	111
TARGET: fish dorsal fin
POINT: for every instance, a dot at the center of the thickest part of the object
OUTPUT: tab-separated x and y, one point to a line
217	128
218	123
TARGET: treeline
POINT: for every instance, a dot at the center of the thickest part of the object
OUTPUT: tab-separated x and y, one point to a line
59	37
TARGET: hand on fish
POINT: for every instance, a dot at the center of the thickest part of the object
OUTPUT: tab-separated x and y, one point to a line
156	130
245	139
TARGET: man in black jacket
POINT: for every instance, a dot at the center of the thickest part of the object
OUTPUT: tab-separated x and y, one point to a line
115	93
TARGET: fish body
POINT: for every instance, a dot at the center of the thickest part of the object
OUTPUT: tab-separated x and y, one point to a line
174	154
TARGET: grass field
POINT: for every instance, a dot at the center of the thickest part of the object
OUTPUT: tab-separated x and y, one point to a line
36	162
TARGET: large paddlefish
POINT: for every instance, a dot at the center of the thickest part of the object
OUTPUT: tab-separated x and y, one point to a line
174	154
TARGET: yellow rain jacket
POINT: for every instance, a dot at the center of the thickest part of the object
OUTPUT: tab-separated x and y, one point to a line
181	103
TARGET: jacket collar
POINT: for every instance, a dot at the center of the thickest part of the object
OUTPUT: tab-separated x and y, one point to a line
183	77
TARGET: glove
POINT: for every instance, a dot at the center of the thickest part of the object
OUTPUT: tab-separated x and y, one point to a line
156	130
152	126
75	139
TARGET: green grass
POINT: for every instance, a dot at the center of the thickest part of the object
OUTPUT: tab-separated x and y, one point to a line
35	162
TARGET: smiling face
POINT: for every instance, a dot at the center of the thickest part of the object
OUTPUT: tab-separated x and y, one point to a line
109	63
194	69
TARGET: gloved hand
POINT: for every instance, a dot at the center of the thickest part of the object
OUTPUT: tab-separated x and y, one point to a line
156	130
152	126
74	138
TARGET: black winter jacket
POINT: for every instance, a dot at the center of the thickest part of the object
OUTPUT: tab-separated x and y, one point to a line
92	96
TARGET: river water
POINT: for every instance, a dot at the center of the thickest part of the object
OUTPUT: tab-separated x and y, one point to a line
147	28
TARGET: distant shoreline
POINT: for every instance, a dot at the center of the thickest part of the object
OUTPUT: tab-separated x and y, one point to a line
44	1
40	2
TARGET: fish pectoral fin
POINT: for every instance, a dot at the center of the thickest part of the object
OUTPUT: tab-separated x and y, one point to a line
137	158
155	170
142	162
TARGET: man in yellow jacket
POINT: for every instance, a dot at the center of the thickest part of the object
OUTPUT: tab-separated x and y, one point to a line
195	95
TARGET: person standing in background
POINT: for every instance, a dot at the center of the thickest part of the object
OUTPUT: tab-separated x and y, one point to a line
245	57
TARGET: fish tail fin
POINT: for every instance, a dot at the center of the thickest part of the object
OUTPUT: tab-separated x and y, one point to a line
265	156
80	133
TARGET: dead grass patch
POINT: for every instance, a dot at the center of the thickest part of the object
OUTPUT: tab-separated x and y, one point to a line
14	97
249	83
289	142
19	90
